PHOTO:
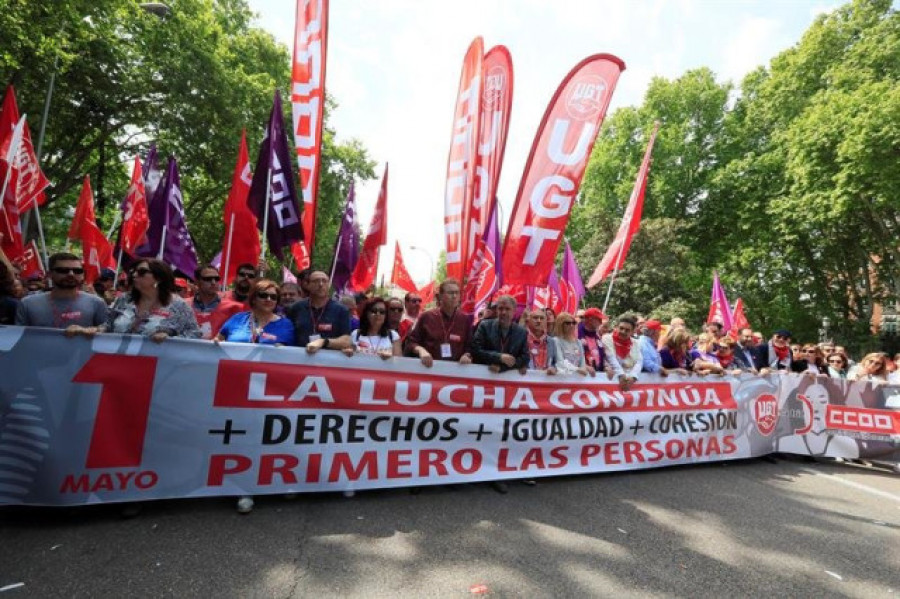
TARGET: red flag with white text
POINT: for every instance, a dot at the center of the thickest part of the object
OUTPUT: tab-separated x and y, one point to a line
135	217
10	229
31	181
617	251
367	266
29	263
97	252
399	275
738	319
555	167
307	105
496	109
460	187
241	244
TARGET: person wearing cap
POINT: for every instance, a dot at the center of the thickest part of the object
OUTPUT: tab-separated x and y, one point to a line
622	353
183	288
650	358
776	354
590	334
34	284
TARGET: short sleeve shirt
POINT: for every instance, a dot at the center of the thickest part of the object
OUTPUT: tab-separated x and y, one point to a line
239	329
40	310
328	322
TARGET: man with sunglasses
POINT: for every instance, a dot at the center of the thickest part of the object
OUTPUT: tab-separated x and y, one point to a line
244	279
776	354
412	303
64	306
319	321
211	309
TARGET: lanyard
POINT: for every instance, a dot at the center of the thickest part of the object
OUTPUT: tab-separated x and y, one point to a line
443	327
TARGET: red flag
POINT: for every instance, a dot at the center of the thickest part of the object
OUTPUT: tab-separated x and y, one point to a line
301	256
29	263
307	103
399	275
615	254
96	249
460	188
31	181
367	266
553	173
427	293
241	243
135	218
738	319
519	292
10	230
495	112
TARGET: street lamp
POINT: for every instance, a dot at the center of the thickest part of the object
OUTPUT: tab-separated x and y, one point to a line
826	324
430	259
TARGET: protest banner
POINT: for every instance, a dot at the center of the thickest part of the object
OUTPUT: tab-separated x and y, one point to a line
119	418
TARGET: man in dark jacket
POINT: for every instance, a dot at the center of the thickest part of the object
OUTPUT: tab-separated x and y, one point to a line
776	354
499	342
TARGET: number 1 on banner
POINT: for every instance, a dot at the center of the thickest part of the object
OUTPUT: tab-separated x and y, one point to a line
121	421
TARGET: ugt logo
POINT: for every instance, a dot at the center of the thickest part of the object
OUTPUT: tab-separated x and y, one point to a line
765	412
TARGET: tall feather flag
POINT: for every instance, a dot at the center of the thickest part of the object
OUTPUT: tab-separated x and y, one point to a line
307	104
367	266
617	251
496	109
240	244
719	309
30	181
399	275
571	289
460	187
555	167
273	194
135	215
346	245
485	274
96	249
10	231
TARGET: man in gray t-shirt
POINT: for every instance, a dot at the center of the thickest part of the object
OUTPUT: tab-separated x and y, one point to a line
64	306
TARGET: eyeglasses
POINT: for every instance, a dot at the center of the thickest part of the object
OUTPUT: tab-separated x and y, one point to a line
62	270
267	296
140	272
246	274
376	311
416	300
211	279
396	309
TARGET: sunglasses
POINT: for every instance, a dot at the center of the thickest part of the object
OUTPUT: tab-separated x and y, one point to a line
396	309
835	361
267	296
140	272
62	270
246	275
376	311
211	279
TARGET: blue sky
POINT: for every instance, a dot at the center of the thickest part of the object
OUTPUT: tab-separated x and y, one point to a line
393	67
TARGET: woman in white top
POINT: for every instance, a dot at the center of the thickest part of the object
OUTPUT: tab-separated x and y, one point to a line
871	368
569	351
373	336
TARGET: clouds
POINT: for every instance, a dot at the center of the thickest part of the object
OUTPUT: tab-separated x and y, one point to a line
393	67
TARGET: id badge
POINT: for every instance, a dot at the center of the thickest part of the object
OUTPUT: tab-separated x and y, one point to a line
315	337
445	350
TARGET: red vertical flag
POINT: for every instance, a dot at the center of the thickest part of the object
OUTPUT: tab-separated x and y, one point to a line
399	275
30	182
307	103
10	230
241	243
555	167
135	218
427	293
460	188
96	249
615	254
367	266
738	319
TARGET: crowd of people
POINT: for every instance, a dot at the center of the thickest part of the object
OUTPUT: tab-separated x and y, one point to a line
149	300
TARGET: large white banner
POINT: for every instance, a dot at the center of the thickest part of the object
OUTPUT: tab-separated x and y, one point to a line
119	418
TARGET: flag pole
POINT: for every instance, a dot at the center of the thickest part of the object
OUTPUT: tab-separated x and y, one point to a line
334	262
612	279
118	267
40	226
228	252
265	231
162	243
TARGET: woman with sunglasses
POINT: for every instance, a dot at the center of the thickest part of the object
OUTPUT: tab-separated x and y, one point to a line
260	324
569	350
871	368
152	308
837	365
812	360
374	336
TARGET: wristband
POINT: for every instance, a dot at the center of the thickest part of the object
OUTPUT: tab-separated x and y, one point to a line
325	343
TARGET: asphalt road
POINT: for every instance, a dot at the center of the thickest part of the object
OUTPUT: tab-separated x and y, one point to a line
749	528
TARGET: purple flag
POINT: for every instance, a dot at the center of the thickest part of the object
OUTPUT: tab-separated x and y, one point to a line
152	174
719	308
273	176
346	246
571	288
543	297
167	213
217	260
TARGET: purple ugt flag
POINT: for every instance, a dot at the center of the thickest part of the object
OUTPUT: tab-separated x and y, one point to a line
273	177
167	213
346	246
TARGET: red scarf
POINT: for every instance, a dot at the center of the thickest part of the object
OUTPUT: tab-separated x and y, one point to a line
538	347
725	361
781	352
623	346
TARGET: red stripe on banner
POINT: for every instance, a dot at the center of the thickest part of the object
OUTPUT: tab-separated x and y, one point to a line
269	386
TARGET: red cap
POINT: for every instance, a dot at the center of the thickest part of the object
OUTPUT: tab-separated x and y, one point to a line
179	282
653	325
594	313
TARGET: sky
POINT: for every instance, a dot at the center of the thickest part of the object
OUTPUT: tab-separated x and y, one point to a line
393	68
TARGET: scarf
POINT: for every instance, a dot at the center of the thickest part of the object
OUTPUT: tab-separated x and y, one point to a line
538	347
725	361
781	352
623	346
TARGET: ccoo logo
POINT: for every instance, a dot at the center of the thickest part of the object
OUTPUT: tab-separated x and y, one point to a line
765	411
585	99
